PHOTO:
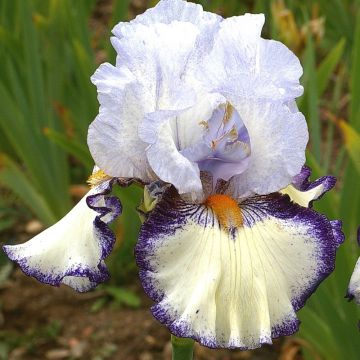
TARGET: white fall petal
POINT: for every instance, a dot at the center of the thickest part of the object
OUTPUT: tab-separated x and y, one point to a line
233	278
71	251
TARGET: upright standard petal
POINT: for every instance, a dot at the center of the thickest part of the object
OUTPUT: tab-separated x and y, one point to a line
233	275
158	57
112	137
243	63
73	250
149	77
167	11
278	139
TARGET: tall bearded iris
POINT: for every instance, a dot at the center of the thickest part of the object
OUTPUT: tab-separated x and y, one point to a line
201	111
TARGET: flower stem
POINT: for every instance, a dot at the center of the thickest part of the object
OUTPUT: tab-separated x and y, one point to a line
182	348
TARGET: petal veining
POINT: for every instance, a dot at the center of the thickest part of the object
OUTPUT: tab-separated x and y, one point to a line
225	147
278	140
233	288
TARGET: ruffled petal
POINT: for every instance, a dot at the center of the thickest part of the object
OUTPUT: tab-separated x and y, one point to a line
167	11
113	136
243	64
185	124
278	140
149	77
168	133
233	275
304	192
158	57
73	250
172	167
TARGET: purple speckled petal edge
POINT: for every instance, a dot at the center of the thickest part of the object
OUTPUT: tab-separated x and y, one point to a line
108	208
302	182
327	232
108	212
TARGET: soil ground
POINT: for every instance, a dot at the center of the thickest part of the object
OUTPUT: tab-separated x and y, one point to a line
43	322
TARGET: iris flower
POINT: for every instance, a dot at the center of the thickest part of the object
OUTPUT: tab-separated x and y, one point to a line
201	111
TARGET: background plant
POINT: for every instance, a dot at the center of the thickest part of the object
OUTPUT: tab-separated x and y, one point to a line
49	49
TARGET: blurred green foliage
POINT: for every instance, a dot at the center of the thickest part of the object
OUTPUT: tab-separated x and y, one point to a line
29	340
49	49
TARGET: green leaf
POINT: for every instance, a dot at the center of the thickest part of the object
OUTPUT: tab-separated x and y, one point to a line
71	146
328	65
12	177
182	348
309	103
123	296
98	304
355	78
352	142
6	223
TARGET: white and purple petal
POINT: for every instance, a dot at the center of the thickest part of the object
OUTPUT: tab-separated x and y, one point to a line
73	250
304	192
235	287
353	291
171	166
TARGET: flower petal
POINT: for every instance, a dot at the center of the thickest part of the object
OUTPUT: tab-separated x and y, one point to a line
353	291
168	133
238	287
112	137
243	64
167	11
172	167
278	140
73	250
149	77
304	192
158	57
